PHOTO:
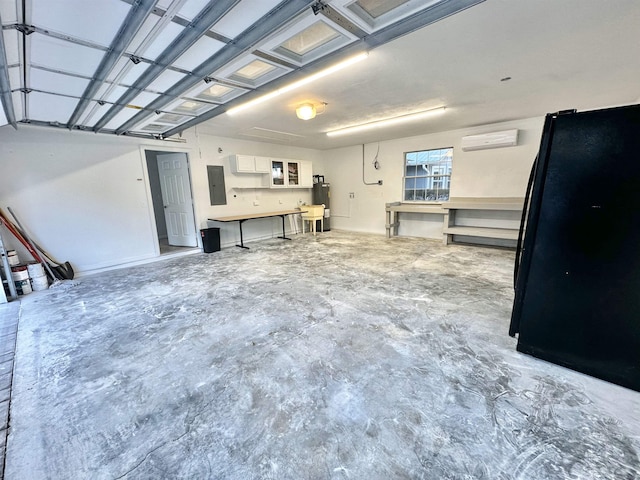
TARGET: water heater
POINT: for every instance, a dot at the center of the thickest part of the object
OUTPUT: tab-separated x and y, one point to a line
322	195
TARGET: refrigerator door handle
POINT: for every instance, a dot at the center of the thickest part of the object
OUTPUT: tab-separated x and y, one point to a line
523	221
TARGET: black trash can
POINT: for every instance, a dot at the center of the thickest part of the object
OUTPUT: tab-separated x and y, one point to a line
210	239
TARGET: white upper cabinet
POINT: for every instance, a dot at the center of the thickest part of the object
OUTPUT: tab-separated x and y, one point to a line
278	174
287	173
249	164
293	173
274	172
306	174
263	165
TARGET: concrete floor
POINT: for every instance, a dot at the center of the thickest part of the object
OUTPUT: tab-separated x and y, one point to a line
339	356
166	249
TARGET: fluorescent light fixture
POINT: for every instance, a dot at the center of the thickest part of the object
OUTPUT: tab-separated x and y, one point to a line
292	86
386	122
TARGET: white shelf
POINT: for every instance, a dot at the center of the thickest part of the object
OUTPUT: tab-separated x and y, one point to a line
449	209
415	208
484	203
499	233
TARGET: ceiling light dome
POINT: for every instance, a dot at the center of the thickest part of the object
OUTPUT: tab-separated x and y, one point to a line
306	111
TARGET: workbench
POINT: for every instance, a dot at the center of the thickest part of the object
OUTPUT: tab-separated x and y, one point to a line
488	204
252	216
394	209
506	228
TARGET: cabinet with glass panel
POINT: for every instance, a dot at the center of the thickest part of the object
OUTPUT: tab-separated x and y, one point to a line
291	173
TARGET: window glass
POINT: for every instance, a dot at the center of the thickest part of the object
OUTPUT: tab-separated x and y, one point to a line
312	37
427	175
292	168
277	173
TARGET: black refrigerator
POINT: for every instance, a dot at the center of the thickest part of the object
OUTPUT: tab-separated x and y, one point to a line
577	279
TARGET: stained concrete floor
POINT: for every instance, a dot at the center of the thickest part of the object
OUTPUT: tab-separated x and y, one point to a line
339	356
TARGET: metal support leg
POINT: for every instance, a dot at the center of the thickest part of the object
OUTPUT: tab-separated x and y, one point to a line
284	236
240	222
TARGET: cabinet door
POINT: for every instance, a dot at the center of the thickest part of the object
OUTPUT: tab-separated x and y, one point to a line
293	174
277	173
263	165
217	190
243	163
306	174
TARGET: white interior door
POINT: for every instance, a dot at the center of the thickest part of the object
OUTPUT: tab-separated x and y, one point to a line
176	196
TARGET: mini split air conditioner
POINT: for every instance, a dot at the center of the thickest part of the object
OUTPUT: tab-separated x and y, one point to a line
506	138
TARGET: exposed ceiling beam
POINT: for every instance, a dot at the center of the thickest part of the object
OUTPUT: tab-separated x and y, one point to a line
166	17
402	27
310	69
29	29
247	40
25	11
79	128
183	23
138	13
5	85
420	19
208	17
103	102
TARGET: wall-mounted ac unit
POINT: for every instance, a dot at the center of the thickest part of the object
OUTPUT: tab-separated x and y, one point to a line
506	138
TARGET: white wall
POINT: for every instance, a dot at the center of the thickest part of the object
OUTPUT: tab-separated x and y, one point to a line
86	199
241	201
81	196
501	172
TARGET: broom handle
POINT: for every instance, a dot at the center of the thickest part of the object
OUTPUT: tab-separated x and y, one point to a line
37	247
19	237
26	237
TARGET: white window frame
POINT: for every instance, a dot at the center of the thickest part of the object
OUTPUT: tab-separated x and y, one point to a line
369	24
431	178
272	44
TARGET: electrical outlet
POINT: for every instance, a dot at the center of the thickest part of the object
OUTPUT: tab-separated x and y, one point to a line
256	203
379	182
352	195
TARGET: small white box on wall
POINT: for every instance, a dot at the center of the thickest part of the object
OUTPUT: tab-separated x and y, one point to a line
506	138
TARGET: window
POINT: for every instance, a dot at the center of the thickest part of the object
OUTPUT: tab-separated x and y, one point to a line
375	8
427	175
312	37
255	69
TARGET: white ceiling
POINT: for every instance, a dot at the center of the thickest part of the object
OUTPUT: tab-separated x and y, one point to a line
560	54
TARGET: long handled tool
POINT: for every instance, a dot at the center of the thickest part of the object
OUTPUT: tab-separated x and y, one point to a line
11	227
65	271
23	238
28	246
